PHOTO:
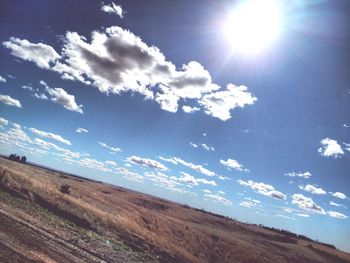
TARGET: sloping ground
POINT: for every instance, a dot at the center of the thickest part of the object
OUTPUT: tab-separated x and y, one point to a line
29	233
169	231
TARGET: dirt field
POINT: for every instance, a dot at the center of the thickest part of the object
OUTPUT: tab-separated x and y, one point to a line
97	222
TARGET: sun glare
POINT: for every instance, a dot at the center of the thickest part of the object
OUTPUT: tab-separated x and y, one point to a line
253	25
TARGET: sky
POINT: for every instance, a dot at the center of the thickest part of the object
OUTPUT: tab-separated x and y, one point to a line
182	100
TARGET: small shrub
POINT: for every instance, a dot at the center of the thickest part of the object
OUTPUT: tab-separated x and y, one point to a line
65	189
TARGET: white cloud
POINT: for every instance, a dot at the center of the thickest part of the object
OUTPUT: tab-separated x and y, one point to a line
250	203
43	83
2	79
307	203
113	163
286	217
305	175
347	146
303	215
346	126
112	8
94	164
146	162
207	148
194	145
81	130
50	136
25	87
207	191
3	121
219	104
6	99
61	97
264	189
337	215
116	61
189	109
231	163
337	205
197	167
185	177
219	198
112	149
330	148
203	146
312	189
51	146
339	195
40	96
41	54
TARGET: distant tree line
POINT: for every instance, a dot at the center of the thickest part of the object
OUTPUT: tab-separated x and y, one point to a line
17	158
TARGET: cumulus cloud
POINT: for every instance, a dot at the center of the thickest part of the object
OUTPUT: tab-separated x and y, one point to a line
41	54
197	167
50	135
8	100
307	203
233	164
3	122
61	97
337	215
146	162
189	109
312	189
264	189
112	149
330	148
339	195
117	61
2	79
185	177
112	8
219	104
305	175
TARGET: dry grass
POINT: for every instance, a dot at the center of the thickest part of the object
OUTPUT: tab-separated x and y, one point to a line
169	230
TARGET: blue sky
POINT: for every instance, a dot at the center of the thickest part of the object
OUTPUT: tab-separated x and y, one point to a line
153	97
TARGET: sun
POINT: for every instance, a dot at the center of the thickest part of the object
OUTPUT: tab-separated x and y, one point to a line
253	26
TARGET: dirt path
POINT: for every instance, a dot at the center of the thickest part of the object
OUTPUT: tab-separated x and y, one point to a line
27	236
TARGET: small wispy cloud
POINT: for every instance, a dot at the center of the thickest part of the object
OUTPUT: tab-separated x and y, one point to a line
312	189
50	135
233	164
81	130
339	195
112	8
305	175
112	149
